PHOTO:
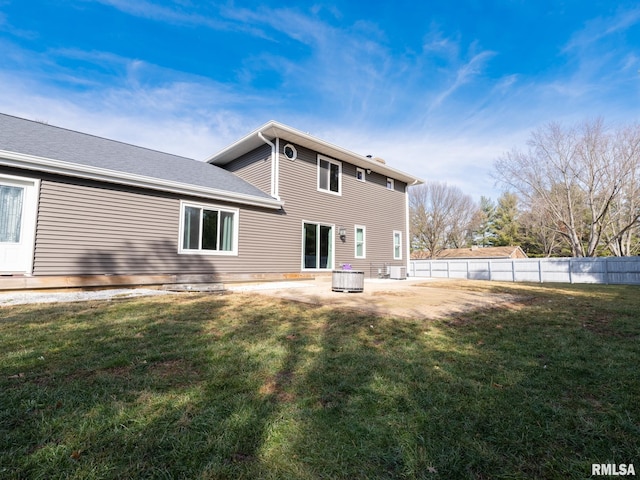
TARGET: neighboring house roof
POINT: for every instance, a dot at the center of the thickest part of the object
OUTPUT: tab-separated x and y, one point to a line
37	146
473	252
273	129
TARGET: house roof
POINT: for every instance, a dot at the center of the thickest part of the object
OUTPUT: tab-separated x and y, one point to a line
273	129
37	146
475	252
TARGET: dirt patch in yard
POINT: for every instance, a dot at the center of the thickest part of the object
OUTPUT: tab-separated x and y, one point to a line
416	298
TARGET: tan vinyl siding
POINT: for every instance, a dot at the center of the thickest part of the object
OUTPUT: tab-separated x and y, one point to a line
92	228
99	229
369	204
254	167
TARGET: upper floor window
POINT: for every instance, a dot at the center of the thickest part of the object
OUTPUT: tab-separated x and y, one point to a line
329	175
390	185
360	174
207	229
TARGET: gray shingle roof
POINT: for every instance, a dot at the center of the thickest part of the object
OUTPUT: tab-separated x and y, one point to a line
32	138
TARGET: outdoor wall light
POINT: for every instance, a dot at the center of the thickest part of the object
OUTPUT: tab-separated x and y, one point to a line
342	232
368	171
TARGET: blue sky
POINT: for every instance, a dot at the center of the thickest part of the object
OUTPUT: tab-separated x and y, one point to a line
438	89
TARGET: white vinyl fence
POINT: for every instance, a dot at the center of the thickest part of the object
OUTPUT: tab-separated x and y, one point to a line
608	270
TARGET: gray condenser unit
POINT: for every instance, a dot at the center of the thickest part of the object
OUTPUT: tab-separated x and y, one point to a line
398	273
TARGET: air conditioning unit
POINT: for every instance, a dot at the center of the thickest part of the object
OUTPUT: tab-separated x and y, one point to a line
398	273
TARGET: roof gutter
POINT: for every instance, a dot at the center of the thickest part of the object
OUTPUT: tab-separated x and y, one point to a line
42	164
281	131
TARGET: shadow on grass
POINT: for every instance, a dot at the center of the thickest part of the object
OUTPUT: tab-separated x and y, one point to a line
242	387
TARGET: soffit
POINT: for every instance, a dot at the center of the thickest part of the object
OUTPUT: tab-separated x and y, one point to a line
272	130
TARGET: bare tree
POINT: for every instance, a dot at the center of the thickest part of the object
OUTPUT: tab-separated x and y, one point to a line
577	174
622	222
465	220
441	216
538	235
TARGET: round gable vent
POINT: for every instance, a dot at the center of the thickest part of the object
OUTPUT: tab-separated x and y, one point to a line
290	151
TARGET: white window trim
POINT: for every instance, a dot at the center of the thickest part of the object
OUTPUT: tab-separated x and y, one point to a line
362	171
399	234
364	241
331	161
209	206
390	184
293	149
333	250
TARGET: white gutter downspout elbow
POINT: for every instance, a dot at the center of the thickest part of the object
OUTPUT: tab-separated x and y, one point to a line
274	166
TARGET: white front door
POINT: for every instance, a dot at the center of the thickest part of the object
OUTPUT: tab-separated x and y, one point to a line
18	208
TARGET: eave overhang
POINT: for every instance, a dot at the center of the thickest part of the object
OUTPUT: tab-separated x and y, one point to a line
48	165
274	129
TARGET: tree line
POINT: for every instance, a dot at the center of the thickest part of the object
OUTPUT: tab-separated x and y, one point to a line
573	191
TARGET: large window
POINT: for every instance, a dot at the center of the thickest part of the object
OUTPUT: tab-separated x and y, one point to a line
207	229
317	246
329	175
397	245
361	242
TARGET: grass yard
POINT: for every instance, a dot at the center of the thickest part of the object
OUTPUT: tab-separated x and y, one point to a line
208	387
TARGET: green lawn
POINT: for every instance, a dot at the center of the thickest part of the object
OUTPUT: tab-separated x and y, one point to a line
204	387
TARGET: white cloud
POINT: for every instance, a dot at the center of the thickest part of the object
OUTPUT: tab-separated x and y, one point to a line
463	75
153	11
213	17
186	115
599	28
430	110
195	117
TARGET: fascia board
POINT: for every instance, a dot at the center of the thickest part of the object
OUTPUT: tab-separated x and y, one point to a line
242	146
48	165
279	130
340	153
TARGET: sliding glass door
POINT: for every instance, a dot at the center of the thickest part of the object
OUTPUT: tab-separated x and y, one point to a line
317	246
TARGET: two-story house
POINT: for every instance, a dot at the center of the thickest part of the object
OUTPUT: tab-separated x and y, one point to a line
76	209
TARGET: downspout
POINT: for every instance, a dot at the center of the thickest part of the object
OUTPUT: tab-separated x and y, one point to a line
274	166
407	226
276	175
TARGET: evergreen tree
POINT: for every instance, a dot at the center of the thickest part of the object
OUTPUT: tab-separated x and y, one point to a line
485	235
506	221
